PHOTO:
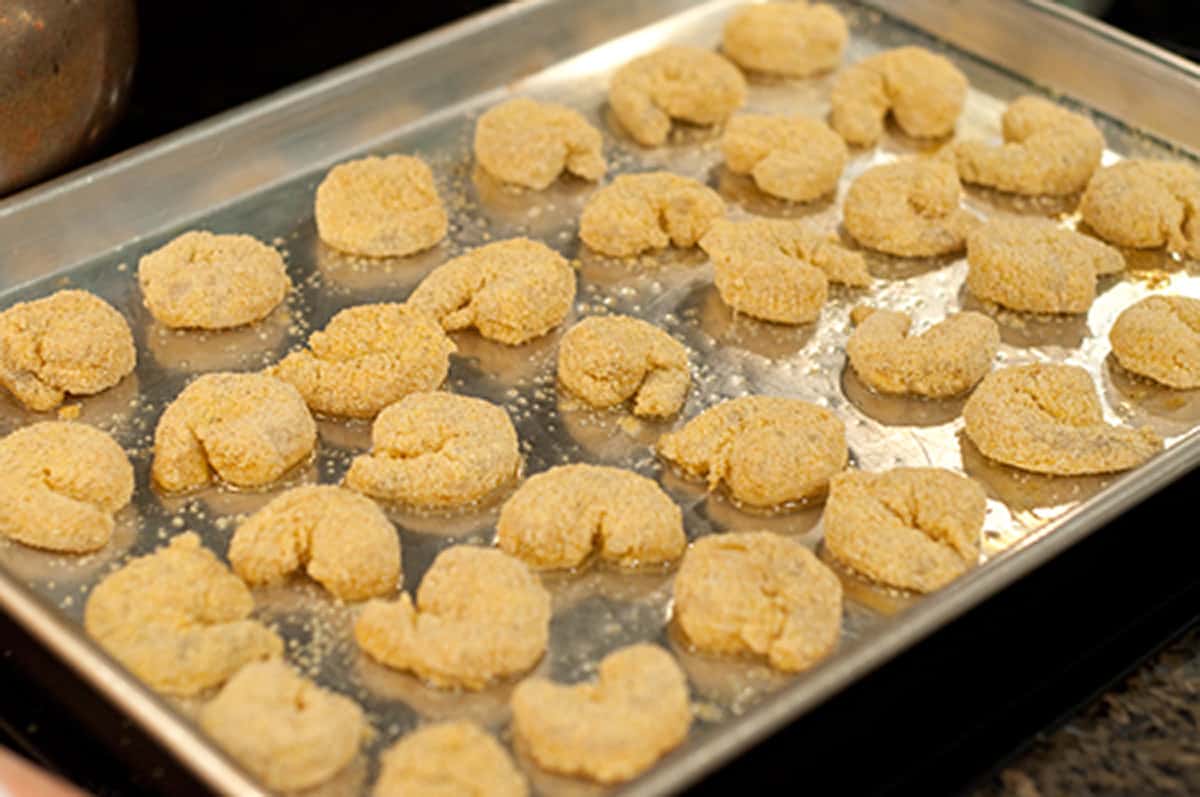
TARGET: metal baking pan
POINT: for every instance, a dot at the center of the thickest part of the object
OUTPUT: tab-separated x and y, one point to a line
254	170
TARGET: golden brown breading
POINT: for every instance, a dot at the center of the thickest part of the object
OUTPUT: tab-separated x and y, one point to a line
608	360
794	39
611	729
449	759
480	615
947	359
790	157
908	208
437	450
674	82
924	92
1159	337
62	483
1145	204
557	519
380	207
1048	419
913	528
511	291
530	143
640	212
178	619
70	342
768	450
759	593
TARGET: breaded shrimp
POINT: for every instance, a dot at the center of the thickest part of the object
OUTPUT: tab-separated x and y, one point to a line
924	92
1145	204
793	39
1048	419
674	82
1159	337
608	360
640	212
908	208
779	270
1047	150
790	157
530	143
947	359
448	759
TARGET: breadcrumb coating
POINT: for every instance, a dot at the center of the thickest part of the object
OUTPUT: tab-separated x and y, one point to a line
945	360
178	619
1159	337
368	357
449	759
779	270
248	428
1035	266
908	208
511	291
558	518
62	484
912	528
530	143
674	82
284	728
760	594
611	729
341	539
1047	150
790	157
1047	418
380	207
1145	204
71	342
793	39
205	281
640	212
608	360
768	450
437	450
924	92
480	615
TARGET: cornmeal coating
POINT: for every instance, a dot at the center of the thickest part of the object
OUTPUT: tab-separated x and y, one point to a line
674	82
924	92
511	291
793	39
1048	419
62	483
1145	204
284	728
790	157
768	450
777	269
530	143
248	428
1159	337
945	360
912	528
341	539
449	759
380	207
1034	266
640	212
608	360
178	619
480	615
367	357
1047	150
437	450
71	342
611	729
558	518
205	281
758	593
908	208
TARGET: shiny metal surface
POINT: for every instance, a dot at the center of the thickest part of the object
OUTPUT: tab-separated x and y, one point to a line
65	71
254	171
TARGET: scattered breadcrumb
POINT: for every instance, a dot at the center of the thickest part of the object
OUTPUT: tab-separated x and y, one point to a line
908	208
530	143
793	39
640	212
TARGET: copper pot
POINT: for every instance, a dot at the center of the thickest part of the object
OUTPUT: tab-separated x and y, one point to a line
65	72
